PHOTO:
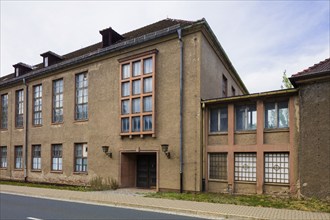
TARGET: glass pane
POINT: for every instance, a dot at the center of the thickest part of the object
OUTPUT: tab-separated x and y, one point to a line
214	120
147	85
270	115
136	123
136	105
252	118
147	123
240	111
125	124
125	107
283	115
223	119
137	68
136	87
125	89
125	71
147	104
147	64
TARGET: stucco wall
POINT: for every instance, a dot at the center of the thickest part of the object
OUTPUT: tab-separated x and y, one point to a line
314	151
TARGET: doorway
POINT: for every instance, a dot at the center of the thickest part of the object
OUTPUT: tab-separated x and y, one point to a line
146	170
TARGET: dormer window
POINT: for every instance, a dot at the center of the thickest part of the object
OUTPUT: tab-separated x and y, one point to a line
46	61
16	71
21	69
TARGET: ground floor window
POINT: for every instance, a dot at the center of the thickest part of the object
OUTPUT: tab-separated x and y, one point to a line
246	167
277	167
36	157
3	157
218	166
18	157
81	157
57	157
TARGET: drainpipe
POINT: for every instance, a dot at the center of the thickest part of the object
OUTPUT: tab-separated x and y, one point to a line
26	128
181	111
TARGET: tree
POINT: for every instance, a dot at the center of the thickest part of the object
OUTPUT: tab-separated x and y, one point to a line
286	82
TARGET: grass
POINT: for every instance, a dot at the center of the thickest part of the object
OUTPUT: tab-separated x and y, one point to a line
44	185
313	205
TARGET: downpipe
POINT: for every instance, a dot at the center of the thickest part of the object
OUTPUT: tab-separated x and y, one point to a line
26	129
181	110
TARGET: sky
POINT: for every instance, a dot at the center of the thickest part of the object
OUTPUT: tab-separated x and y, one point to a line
261	38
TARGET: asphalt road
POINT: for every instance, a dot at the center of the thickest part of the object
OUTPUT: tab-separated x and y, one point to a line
24	207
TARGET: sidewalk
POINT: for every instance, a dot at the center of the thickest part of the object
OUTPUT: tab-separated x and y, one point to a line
207	210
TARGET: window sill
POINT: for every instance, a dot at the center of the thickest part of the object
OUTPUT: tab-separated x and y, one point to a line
218	133
36	171
57	172
218	180
81	121
19	128
36	126
3	168
56	123
80	173
4	129
277	184
274	130
246	132
245	182
18	169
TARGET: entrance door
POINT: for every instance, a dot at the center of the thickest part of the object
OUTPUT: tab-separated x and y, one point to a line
146	171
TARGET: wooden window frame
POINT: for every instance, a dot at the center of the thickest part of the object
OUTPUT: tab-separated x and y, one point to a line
16	156
18	104
4	109
1	157
76	97
222	158
33	156
82	157
53	101
51	159
129	61
277	118
34	105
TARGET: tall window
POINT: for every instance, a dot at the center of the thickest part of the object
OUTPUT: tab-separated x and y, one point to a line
137	96
80	153
3	157
246	117
4	111
36	157
218	120
56	157
233	91
276	167
19	108
246	167
218	166
37	105
57	101
276	115
224	86
81	96
18	157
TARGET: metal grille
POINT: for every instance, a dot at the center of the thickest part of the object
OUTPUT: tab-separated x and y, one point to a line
277	168
218	166
245	167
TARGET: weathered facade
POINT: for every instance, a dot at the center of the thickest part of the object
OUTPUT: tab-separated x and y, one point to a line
314	147
106	110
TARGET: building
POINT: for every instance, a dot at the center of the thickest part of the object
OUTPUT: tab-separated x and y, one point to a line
126	108
314	147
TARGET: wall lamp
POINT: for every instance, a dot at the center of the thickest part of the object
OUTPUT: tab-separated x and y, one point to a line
105	150
165	150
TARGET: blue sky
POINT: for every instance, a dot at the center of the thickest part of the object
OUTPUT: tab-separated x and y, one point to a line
261	38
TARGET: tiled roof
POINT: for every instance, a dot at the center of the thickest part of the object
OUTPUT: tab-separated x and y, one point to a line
322	66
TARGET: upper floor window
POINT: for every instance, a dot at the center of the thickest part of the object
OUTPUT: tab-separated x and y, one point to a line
37	105
19	108
18	157
36	157
4	111
276	115
218	120
138	95
16	71
57	101
81	96
224	86
246	117
56	157
46	61
233	91
3	157
80	157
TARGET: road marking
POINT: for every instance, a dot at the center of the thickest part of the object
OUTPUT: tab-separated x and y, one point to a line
31	218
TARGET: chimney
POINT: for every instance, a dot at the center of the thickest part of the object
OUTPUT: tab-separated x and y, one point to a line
21	69
50	58
110	37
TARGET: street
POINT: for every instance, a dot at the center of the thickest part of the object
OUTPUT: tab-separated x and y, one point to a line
24	207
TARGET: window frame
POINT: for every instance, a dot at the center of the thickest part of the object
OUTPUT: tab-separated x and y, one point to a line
241	176
34	98
54	101
33	156
3	159
224	92
16	156
246	118
268	176
19	104
82	89
52	156
277	118
219	108
4	111
222	170
76	145
142	76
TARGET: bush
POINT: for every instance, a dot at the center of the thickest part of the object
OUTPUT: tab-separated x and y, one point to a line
100	184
